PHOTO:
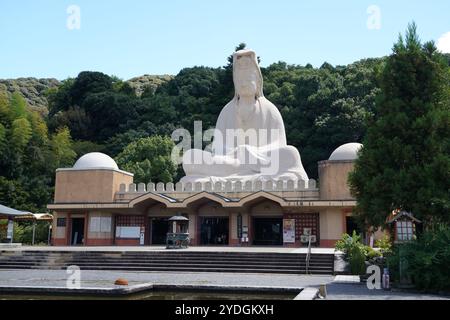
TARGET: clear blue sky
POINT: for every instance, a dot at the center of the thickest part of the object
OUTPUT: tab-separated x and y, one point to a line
135	37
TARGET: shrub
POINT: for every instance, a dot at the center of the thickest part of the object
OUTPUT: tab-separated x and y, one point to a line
23	232
348	242
371	253
427	259
385	245
356	253
357	260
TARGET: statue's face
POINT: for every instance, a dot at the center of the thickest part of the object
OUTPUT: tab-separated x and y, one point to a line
246	76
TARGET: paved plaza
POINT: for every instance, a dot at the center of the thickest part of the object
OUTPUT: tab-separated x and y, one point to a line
58	278
337	289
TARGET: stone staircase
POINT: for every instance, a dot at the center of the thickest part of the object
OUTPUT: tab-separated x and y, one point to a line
242	262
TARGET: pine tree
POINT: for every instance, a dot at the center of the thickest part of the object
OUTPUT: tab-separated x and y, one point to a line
405	161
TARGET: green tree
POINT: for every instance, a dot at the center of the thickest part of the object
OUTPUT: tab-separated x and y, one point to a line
62	148
2	138
82	147
405	161
12	193
149	159
4	106
21	133
18	108
87	83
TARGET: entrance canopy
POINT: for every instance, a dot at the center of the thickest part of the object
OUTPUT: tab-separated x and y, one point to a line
6	212
36	217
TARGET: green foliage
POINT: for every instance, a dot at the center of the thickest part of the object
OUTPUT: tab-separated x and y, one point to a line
12	193
371	253
62	148
81	147
356	252
385	245
149	159
427	259
405	161
2	137
347	242
23	232
4	106
357	260
17	106
89	83
29	157
116	144
20	133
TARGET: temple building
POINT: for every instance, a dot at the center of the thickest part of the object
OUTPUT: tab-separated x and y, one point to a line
96	203
250	188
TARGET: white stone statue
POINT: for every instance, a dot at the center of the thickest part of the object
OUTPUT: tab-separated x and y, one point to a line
249	139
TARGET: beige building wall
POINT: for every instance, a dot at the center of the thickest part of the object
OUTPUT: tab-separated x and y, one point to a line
333	179
59	232
89	186
192	226
266	208
160	210
331	224
212	209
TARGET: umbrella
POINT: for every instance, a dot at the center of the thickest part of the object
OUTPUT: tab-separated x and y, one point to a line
10	212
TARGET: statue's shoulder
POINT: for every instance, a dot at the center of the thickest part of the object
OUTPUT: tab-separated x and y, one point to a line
229	108
226	116
270	107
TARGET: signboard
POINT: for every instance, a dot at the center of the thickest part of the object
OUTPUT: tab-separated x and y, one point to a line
289	230
128	232
239	226
244	237
142	237
305	239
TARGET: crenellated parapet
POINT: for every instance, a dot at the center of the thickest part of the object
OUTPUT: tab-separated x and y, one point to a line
220	187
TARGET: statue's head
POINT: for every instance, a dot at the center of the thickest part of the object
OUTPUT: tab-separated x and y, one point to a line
247	75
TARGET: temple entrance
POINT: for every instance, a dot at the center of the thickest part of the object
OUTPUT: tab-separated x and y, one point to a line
351	225
159	229
77	234
268	231
214	231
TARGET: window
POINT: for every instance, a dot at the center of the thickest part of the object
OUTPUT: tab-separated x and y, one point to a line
61	222
405	230
130	221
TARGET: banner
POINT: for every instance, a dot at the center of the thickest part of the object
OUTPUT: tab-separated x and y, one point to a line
289	230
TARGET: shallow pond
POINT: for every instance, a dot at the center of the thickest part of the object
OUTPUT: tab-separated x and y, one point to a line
162	295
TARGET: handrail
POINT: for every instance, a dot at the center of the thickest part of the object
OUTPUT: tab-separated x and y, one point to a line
308	254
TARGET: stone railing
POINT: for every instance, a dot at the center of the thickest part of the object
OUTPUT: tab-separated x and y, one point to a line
247	186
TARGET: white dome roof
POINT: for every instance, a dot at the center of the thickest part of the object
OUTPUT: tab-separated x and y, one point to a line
347	151
96	160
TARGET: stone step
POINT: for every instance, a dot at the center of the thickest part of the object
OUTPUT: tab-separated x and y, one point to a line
170	261
144	253
162	263
166	262
291	257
